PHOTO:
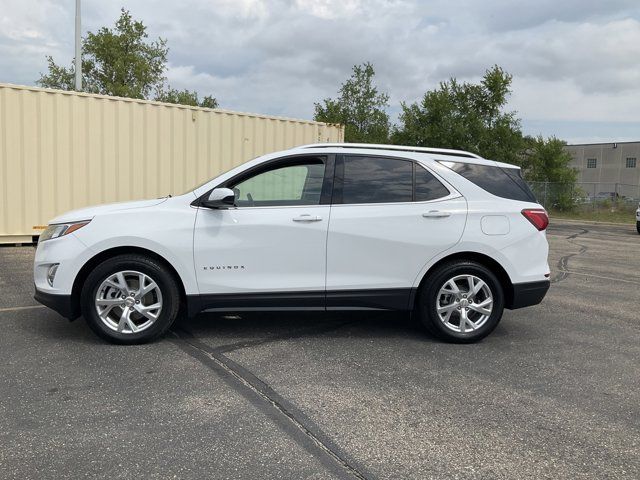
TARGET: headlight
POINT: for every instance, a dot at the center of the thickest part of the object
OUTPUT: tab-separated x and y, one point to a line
61	229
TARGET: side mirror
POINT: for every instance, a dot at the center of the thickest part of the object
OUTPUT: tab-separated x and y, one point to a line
220	198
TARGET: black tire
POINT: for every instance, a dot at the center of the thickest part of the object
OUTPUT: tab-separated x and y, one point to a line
428	297
140	263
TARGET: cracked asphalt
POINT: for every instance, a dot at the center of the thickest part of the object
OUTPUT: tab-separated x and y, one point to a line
554	392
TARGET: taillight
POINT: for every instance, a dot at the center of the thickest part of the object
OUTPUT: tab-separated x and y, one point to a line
537	216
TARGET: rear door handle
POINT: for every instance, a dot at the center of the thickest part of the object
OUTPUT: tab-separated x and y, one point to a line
436	214
307	218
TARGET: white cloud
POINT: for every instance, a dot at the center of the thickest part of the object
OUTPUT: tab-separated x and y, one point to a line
573	61
329	9
243	8
566	101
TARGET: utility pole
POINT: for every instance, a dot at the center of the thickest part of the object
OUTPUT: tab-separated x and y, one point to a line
78	65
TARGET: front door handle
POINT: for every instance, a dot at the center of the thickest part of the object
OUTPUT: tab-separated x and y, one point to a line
436	214
307	218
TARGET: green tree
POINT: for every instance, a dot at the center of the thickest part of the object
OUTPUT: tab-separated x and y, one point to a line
465	116
120	61
359	107
547	160
185	97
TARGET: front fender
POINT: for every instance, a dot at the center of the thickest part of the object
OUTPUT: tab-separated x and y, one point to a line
166	232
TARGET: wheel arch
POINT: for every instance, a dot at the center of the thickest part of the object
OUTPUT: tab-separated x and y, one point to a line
94	261
481	258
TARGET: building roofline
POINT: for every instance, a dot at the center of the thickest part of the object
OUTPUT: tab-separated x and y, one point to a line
114	98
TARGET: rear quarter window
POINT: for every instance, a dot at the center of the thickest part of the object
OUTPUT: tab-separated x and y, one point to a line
427	187
501	182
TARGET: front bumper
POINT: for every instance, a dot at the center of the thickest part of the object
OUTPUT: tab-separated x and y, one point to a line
527	294
63	304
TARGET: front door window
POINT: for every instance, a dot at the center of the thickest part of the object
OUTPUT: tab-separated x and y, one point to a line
296	184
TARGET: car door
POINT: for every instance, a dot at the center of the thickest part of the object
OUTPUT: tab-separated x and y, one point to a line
389	217
269	250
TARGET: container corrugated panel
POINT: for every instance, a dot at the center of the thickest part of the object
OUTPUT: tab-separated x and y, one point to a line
65	150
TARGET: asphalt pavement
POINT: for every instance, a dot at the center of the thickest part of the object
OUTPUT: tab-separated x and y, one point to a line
554	392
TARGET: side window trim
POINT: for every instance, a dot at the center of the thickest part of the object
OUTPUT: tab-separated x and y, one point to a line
413	181
328	182
338	181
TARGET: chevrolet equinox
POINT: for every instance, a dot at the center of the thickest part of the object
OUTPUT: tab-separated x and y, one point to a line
447	235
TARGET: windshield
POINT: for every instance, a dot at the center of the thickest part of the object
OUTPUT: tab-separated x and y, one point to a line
202	184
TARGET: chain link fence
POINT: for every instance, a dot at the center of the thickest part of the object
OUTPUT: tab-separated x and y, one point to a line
586	196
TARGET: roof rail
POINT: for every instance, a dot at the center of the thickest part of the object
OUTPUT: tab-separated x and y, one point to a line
375	146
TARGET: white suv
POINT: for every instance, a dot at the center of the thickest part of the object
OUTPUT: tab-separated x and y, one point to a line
444	234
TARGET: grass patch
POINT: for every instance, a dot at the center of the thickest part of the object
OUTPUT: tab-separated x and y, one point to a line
598	215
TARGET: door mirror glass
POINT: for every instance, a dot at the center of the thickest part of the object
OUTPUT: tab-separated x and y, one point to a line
220	198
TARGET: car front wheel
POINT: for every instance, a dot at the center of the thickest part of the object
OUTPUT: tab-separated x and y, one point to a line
461	302
130	299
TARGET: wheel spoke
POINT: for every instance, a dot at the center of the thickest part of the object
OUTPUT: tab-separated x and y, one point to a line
147	311
447	308
122	281
132	325
483	307
470	324
476	288
105	313
123	319
113	284
447	317
141	279
482	311
453	288
118	281
144	290
463	320
107	302
470	283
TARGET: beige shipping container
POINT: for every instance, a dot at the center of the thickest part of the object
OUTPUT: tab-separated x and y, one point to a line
65	150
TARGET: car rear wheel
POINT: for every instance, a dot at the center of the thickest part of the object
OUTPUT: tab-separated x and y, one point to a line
130	299
461	302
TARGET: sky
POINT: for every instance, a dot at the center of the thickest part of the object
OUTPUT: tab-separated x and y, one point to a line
576	63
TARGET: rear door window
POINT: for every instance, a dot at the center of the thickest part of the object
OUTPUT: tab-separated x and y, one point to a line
377	180
363	179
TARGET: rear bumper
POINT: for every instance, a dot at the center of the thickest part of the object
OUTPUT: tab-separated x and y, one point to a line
527	294
63	304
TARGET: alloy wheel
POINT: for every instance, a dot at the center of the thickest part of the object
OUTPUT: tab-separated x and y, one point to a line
464	303
128	302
